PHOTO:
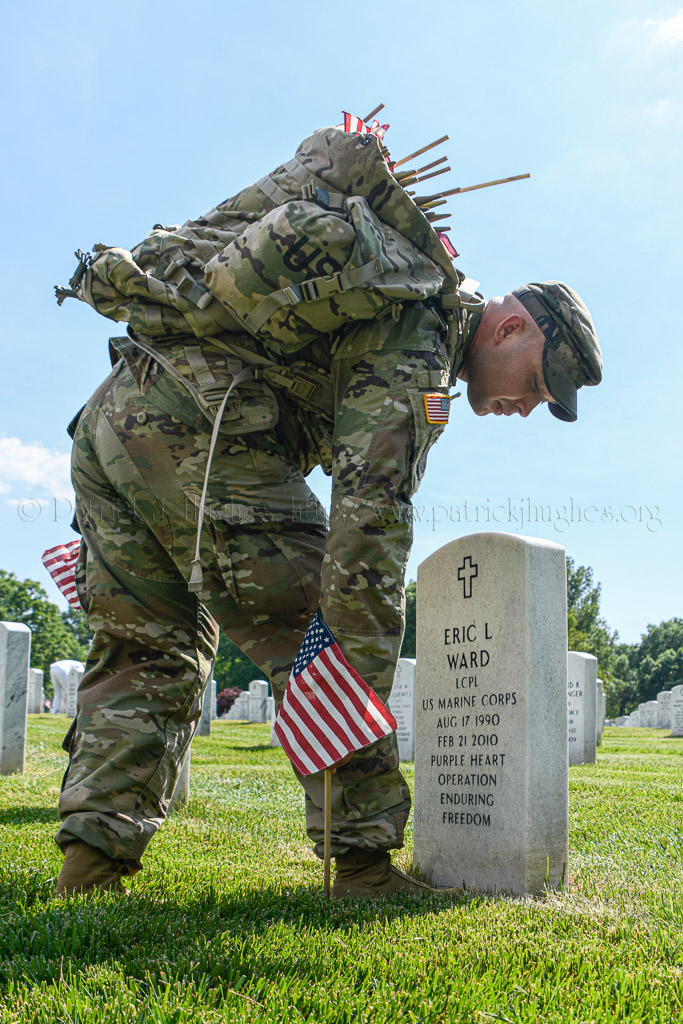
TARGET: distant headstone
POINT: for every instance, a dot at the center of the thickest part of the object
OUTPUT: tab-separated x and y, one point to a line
271	715
634	719
36	691
15	658
72	683
621	720
664	709
650	714
213	694
582	673
65	689
402	706
204	726
491	777
599	712
258	695
240	708
677	711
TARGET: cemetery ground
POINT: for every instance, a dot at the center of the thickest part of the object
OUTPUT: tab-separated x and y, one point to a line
228	921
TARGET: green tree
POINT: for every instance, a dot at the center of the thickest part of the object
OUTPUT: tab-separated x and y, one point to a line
657	661
622	691
52	636
233	668
586	628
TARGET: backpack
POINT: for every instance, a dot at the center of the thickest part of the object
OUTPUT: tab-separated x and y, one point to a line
328	238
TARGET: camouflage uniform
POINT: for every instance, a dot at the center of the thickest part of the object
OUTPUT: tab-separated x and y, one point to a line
139	456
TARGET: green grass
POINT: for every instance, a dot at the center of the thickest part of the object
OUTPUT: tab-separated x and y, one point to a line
228	921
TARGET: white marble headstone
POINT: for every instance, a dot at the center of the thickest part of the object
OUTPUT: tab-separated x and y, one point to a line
582	673
15	658
599	712
36	692
258	695
240	708
204	724
677	711
621	720
64	688
491	774
664	709
72	683
213	694
402	706
650	713
271	715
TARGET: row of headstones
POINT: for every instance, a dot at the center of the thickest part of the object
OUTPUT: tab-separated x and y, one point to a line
491	732
22	692
664	713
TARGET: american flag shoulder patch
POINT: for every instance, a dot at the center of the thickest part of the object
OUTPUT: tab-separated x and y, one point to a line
437	407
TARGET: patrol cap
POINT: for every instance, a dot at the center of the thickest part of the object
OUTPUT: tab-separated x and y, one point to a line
571	354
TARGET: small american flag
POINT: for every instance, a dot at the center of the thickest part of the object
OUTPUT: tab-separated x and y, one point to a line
437	408
60	562
356	124
329	711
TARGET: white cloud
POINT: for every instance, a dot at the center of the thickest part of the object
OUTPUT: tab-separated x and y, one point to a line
34	467
668	31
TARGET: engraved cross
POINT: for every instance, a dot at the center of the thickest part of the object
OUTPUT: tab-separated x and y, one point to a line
467	572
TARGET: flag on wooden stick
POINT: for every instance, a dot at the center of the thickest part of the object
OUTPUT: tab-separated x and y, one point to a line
355	124
328	711
60	562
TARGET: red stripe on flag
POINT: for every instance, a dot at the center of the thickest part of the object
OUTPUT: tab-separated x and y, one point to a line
329	746
321	691
380	707
346	720
330	660
281	727
302	742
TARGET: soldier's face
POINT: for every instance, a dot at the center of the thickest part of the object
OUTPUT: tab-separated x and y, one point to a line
505	372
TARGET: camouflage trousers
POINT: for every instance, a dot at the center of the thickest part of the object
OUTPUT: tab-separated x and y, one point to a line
269	559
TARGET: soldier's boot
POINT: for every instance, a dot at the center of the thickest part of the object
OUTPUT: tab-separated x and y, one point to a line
371	873
86	869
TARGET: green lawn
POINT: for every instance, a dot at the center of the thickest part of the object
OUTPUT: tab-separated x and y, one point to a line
228	921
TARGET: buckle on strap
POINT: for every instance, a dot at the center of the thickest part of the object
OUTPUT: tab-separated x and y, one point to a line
302	389
315	194
309	290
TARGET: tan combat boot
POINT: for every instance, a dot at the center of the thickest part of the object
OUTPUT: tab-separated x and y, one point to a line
86	868
371	873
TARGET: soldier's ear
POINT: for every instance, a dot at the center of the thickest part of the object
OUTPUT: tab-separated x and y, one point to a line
508	327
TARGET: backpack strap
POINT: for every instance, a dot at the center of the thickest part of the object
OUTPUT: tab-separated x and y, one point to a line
309	291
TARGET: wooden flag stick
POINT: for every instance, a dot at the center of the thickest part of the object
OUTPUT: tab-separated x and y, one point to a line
500	181
373	112
327	837
419	152
442	170
484	184
434	163
430	206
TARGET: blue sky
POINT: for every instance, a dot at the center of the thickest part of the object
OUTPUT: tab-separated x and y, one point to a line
117	117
